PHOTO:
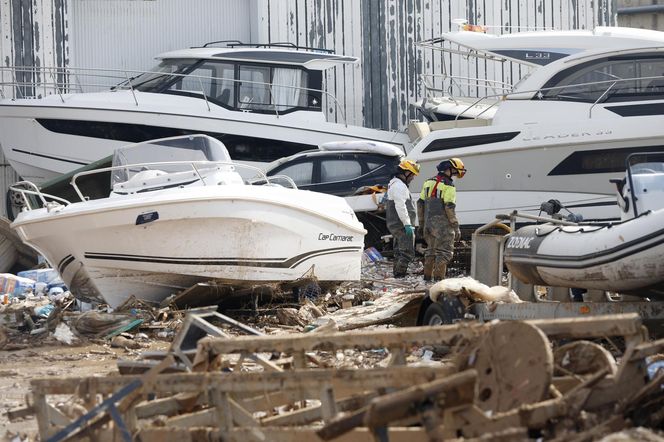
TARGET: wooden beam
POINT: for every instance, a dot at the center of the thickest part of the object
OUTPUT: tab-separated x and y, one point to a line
456	389
365	339
307	415
275	434
592	327
308	381
599	326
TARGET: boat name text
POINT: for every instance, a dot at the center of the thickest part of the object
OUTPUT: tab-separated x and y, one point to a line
572	135
333	237
519	242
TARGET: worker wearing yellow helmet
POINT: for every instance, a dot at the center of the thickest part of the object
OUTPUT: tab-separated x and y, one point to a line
436	208
401	215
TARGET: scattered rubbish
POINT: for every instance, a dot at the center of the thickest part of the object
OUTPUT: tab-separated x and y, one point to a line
124	328
124	342
373	255
64	334
98	324
15	285
474	289
44	310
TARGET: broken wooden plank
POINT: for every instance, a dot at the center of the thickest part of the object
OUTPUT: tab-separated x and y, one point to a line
457	389
613	325
592	327
366	339
307	415
310	380
275	434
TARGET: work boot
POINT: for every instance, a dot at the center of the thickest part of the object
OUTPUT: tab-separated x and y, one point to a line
428	268
439	271
399	270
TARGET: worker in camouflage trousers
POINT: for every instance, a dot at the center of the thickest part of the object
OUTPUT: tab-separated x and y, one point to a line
436	209
401	216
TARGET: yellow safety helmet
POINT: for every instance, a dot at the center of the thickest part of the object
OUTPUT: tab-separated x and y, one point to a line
458	165
454	164
410	166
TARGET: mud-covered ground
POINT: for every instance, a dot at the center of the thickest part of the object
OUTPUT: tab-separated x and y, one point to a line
19	367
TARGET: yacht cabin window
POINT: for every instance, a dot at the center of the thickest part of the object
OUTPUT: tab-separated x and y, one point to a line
241	86
611	79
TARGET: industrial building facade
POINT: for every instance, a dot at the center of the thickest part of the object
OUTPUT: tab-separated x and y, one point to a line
377	92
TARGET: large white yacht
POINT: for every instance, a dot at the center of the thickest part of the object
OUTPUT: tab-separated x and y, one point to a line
562	132
263	102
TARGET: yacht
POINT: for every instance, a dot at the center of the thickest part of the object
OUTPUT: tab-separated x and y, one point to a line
263	102
590	98
185	218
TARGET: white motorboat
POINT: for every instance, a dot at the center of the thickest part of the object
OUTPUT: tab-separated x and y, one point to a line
591	98
263	102
186	219
623	257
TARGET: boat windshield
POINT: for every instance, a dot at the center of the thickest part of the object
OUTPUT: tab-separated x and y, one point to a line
159	77
187	148
646	175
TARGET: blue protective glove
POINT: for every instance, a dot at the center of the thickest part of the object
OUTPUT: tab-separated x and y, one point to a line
410	230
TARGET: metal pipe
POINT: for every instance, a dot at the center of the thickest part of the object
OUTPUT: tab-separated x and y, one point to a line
647	9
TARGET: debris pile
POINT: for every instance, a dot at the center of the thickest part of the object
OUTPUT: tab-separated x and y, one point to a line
37	309
501	380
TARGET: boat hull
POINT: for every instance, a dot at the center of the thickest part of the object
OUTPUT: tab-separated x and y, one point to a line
44	138
623	257
155	245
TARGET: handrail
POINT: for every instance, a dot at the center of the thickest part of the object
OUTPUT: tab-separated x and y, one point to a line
45	197
36	192
590	111
516	214
192	164
611	83
124	81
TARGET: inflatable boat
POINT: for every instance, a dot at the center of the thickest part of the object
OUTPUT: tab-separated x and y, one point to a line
624	257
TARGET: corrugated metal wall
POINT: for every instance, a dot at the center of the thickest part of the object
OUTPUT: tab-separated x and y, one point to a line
32	33
127	34
328	24
382	34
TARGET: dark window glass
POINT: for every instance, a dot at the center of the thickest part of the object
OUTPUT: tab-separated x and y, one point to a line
240	147
612	79
216	80
301	173
598	161
264	89
339	170
159	79
474	140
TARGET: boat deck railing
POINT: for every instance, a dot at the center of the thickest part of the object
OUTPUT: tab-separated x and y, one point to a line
606	87
28	188
20	82
449	84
